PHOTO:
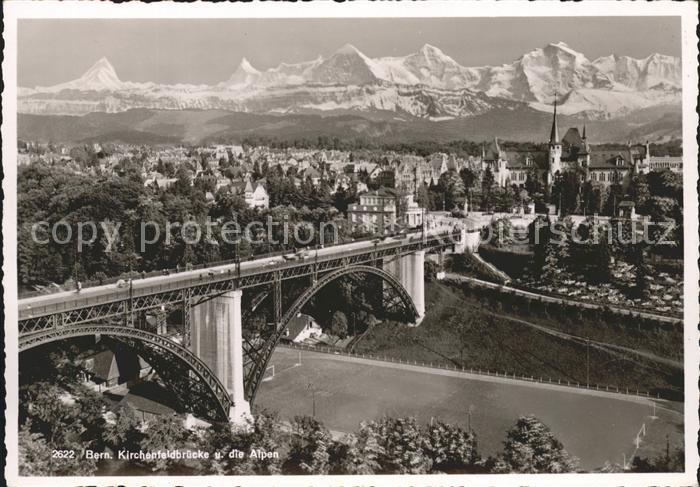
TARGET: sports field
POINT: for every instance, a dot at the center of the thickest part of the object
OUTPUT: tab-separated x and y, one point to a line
596	427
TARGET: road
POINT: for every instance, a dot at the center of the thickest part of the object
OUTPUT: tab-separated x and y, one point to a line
594	426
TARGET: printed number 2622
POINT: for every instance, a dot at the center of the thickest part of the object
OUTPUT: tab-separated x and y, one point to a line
63	454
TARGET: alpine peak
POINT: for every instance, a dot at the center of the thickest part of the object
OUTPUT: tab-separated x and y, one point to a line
247	67
348	49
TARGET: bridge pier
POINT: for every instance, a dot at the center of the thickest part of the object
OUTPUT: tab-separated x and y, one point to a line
217	340
409	271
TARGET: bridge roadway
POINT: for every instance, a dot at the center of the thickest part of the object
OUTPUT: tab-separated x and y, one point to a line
239	276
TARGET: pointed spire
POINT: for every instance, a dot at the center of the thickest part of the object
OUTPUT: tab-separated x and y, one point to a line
554	134
584	131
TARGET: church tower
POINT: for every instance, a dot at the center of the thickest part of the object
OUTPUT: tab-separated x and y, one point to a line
587	149
554	147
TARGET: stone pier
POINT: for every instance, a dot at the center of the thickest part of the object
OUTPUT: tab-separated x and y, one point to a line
217	340
409	271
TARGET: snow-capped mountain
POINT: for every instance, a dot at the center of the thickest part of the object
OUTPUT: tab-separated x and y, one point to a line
100	77
245	75
428	84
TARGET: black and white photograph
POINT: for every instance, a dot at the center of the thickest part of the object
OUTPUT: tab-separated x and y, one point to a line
351	245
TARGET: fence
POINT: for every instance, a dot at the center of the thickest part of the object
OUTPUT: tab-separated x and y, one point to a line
478	371
51	289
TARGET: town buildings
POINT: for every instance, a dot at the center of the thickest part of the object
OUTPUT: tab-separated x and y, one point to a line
376	211
573	152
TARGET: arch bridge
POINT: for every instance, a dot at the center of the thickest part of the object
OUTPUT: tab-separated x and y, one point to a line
223	365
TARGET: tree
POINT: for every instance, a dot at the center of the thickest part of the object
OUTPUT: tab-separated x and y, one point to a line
263	433
566	191
339	324
487	185
602	256
668	462
666	184
34	454
500	232
404	445
533	184
90	409
615	195
308	449
638	190
451	449
641	269
124	433
163	433
430	270
592	198
452	187
359	454
530	447
469	179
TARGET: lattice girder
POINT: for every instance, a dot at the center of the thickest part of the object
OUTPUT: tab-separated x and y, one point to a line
197	367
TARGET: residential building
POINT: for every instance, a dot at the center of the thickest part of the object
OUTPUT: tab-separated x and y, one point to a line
254	193
301	328
375	212
413	212
661	163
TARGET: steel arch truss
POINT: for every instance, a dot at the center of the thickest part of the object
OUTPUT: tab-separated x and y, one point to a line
396	299
194	384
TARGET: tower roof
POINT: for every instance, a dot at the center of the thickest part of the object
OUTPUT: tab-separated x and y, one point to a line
493	153
554	134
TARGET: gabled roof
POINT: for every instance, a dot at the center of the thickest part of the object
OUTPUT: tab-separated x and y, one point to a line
104	365
518	159
297	325
381	192
606	160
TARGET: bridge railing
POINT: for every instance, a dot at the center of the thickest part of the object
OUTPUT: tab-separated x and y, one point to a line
179	269
119	294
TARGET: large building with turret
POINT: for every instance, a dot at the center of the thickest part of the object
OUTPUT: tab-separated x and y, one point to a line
573	151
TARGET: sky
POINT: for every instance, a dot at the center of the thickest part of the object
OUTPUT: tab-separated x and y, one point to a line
209	50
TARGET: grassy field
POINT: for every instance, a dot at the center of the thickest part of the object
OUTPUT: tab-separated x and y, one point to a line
594	427
502	345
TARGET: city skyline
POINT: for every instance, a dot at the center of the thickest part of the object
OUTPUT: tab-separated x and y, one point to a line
172	51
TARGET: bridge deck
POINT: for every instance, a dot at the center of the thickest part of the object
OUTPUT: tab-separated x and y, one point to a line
69	300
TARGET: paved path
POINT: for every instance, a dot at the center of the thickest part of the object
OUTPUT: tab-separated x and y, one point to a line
573	302
606	347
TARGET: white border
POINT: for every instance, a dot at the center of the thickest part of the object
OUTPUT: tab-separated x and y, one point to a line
15	9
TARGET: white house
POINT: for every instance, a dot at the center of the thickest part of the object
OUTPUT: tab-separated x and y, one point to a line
302	327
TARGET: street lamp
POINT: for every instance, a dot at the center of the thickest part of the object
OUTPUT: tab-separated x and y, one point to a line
588	342
310	387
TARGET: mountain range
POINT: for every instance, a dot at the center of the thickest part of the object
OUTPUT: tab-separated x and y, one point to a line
427	85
